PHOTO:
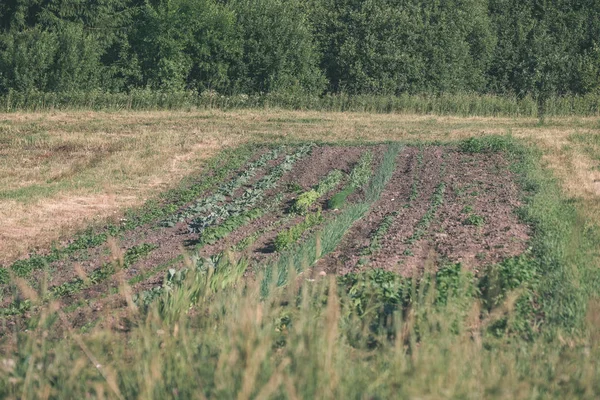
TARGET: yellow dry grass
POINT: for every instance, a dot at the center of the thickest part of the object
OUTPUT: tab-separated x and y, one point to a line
62	170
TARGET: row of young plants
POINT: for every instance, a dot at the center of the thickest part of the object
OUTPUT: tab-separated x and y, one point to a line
305	200
212	234
379	233
214	212
437	199
359	176
225	190
101	274
229	268
288	237
215	170
414	190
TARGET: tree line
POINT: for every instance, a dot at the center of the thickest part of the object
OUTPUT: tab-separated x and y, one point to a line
537	48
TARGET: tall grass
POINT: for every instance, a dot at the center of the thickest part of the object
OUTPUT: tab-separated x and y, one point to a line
304	341
465	104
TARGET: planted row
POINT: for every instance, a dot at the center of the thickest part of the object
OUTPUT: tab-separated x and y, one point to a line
359	176
131	256
437	200
217	168
215	212
305	200
286	238
215	233
379	234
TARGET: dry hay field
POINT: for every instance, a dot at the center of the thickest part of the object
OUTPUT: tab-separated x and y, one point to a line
403	235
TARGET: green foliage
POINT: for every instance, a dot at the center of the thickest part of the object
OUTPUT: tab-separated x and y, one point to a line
475	220
376	291
486	144
362	171
213	234
131	255
338	200
304	201
4	275
288	237
330	182
278	50
383	292
359	176
24	267
389	47
508	275
186	44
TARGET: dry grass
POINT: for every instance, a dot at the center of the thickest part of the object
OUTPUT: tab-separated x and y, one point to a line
59	171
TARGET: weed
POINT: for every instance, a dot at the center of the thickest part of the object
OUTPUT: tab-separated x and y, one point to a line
474	220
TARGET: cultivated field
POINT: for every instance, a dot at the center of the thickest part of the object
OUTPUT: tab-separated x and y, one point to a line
279	254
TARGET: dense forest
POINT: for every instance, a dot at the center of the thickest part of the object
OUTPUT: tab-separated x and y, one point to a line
535	48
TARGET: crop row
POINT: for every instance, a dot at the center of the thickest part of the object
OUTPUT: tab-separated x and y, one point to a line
286	238
216	170
305	200
226	189
98	275
414	190
437	200
359	176
379	234
215	212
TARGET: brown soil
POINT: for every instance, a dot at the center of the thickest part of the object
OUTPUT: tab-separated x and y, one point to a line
480	181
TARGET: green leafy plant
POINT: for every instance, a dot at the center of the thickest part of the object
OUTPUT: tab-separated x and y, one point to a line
474	220
304	201
288	237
